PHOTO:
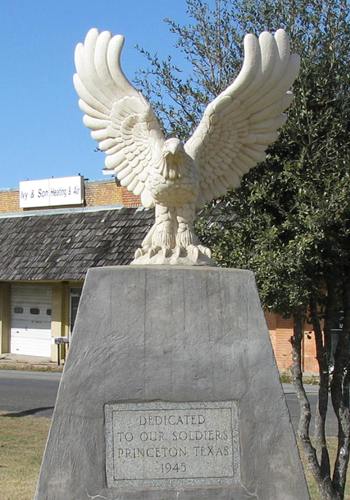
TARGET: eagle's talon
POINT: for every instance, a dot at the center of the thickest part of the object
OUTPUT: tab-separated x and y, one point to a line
176	253
179	255
193	253
152	251
166	252
205	250
138	253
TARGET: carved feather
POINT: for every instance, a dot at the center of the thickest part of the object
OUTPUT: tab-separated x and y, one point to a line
119	117
250	111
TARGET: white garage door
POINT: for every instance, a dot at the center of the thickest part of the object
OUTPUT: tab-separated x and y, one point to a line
31	320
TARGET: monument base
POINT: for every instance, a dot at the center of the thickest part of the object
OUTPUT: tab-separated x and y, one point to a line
170	391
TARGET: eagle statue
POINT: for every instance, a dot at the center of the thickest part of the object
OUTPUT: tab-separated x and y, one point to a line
176	178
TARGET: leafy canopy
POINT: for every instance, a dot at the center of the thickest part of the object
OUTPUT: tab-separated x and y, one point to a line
289	220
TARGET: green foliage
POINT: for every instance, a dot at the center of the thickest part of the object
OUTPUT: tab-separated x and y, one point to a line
213	52
289	220
291	210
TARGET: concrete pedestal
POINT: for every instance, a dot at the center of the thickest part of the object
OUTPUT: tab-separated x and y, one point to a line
185	355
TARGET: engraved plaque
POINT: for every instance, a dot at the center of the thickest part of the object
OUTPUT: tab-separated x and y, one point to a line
164	445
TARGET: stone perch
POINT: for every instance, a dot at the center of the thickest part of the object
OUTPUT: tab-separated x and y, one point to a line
170	391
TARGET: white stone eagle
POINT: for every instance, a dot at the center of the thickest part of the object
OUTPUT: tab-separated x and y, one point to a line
175	178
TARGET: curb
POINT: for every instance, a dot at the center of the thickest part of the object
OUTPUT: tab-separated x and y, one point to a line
10	365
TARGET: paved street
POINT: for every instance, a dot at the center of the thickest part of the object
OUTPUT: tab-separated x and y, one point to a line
34	393
293	406
28	393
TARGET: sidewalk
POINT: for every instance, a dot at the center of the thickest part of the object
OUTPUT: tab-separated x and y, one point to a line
309	388
29	363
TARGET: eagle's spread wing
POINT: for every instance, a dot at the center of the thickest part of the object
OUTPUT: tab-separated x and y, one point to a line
242	121
120	118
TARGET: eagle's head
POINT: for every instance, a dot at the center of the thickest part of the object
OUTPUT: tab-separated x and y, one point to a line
173	155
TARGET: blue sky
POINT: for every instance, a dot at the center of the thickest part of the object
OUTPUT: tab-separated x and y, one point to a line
42	134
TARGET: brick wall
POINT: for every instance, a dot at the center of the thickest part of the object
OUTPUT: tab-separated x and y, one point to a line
309	352
129	199
102	193
281	330
9	201
97	193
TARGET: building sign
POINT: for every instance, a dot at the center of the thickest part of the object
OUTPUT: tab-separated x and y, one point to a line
57	191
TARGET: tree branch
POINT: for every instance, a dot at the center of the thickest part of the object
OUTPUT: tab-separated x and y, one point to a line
324	484
321	409
340	395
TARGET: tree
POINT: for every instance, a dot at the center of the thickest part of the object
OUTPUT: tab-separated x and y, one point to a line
289	221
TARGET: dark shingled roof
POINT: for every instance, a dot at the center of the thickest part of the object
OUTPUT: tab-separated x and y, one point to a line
63	246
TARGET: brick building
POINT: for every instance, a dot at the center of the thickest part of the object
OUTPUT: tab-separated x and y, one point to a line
46	251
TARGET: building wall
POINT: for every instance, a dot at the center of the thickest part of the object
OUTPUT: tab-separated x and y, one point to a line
59	317
103	193
281	331
9	201
97	193
5	322
309	352
129	199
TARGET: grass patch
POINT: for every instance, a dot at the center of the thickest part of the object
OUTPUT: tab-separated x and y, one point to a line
22	442
332	449
286	378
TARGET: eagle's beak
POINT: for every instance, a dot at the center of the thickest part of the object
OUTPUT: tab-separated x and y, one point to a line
173	146
172	149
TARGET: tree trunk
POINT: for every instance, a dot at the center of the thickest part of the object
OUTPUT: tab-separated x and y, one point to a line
324	484
340	395
322	406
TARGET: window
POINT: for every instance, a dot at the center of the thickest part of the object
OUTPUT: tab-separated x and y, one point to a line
48	312
34	310
18	310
